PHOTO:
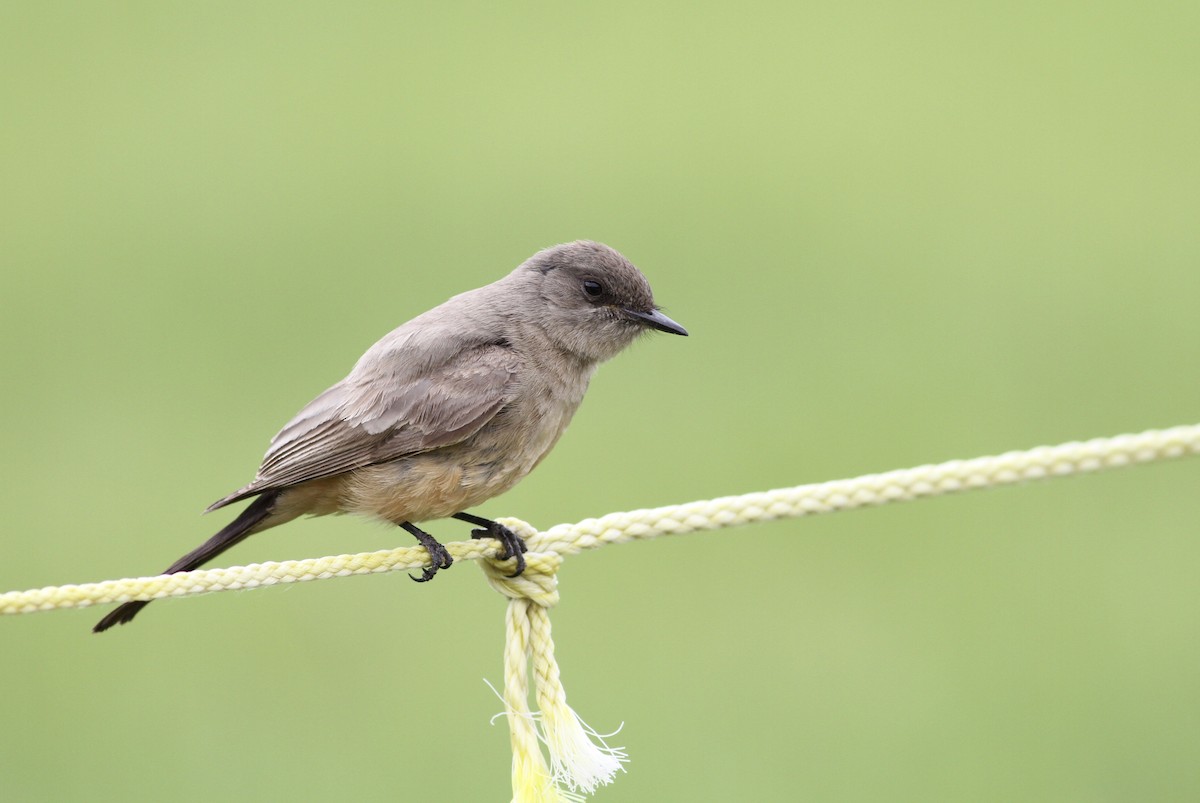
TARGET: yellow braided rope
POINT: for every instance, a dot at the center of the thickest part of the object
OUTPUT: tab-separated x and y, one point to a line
580	761
576	761
710	514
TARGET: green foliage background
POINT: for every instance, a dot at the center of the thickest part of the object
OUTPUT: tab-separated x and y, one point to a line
899	232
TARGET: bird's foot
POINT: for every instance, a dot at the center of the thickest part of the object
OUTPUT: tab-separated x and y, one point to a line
439	557
512	545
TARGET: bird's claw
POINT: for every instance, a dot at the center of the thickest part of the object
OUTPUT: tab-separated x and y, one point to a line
511	544
439	558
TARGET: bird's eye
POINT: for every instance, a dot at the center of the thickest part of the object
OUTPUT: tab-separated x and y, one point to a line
593	288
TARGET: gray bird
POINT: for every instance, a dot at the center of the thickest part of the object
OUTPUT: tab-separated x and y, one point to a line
450	409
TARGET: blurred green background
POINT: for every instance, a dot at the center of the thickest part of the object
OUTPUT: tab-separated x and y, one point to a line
899	232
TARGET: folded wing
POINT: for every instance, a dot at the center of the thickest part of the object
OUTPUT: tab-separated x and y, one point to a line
364	420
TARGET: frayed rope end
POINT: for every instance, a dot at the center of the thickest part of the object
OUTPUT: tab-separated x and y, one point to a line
580	758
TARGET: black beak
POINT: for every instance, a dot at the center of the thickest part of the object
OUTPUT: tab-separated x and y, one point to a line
657	320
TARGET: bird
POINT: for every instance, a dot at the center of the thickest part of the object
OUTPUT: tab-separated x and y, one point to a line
450	409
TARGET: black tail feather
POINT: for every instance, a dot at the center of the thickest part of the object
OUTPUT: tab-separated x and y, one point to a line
230	535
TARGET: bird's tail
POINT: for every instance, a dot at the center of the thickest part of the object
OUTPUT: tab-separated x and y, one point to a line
231	534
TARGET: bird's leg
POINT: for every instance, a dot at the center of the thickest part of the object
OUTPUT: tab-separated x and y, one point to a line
513	546
439	558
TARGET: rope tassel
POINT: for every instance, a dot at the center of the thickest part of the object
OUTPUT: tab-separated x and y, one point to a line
577	763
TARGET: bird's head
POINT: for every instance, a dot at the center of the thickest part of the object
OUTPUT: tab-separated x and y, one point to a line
591	300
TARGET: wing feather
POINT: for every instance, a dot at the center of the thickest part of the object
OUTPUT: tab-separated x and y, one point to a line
368	418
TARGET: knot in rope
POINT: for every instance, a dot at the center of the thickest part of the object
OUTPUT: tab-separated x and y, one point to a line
576	762
538	583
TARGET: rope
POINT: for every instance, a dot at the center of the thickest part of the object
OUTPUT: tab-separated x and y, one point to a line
616	528
576	761
579	758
